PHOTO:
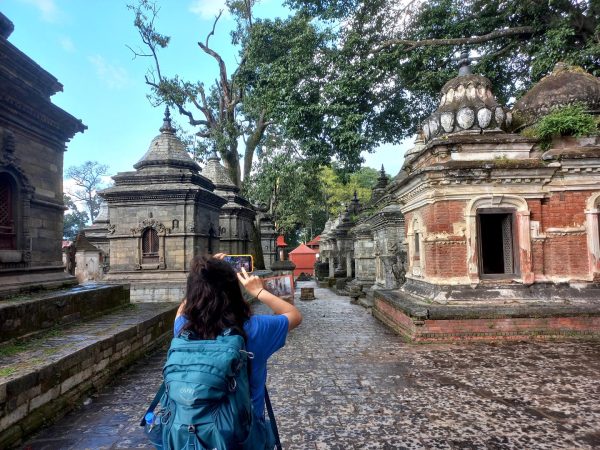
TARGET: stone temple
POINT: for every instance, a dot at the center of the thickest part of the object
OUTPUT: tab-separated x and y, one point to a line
33	137
485	232
161	216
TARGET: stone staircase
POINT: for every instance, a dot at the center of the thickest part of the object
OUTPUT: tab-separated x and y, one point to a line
58	347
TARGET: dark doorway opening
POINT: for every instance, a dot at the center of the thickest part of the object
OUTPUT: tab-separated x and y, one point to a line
496	244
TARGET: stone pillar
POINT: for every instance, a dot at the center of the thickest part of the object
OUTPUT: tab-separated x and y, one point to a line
349	264
331	266
592	217
524	239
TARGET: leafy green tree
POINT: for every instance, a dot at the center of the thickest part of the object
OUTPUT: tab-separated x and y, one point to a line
289	186
74	220
339	190
275	72
87	178
392	58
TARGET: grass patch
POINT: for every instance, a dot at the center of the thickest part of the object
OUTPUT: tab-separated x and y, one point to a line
7	371
19	346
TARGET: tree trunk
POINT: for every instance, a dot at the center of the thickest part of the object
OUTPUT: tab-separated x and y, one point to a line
257	253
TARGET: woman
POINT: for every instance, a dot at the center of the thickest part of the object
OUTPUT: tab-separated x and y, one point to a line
214	302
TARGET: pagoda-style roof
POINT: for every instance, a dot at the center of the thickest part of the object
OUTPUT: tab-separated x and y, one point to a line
167	150
302	249
315	241
216	173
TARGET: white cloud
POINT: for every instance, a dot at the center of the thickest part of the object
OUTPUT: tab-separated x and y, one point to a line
114	76
47	9
67	44
208	9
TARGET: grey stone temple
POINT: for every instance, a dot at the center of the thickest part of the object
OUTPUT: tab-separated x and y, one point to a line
165	212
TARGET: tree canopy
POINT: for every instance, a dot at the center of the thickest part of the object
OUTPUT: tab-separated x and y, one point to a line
87	178
75	220
301	194
392	58
274	79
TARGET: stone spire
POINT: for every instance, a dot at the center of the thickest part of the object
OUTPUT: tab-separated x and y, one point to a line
464	63
216	173
379	189
355	203
382	180
167	150
467	105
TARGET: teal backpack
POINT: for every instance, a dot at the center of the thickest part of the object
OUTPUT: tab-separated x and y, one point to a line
205	399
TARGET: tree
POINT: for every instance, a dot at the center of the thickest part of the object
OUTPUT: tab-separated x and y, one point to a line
339	188
301	194
392	58
288	184
74	220
245	102
88	179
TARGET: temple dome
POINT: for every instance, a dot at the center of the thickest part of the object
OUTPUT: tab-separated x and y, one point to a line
166	149
467	104
566	85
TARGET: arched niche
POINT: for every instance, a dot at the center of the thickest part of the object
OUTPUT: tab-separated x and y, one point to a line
415	234
15	201
498	238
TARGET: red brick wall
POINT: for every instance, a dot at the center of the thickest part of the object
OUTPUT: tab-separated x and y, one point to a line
484	329
566	255
440	216
446	259
561	254
563	209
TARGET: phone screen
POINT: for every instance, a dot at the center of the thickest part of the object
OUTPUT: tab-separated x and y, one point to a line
240	261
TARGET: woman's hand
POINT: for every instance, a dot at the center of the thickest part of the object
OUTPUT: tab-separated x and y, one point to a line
251	283
219	255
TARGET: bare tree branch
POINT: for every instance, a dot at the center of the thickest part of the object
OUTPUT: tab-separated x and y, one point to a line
412	44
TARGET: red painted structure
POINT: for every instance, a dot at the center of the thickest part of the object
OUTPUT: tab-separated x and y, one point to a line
314	244
304	258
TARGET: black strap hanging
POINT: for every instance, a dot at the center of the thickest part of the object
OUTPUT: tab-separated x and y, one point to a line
272	419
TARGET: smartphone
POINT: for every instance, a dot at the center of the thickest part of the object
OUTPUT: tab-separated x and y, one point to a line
240	261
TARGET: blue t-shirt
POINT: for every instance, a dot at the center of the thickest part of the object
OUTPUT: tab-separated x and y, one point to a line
265	335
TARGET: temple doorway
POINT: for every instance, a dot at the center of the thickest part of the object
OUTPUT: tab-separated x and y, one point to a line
496	242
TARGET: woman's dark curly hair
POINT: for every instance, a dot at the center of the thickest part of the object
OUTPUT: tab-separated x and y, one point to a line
213	299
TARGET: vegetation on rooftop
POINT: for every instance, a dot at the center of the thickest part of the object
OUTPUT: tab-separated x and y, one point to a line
570	120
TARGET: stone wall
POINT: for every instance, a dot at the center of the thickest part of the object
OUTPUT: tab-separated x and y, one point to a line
33	135
48	392
23	315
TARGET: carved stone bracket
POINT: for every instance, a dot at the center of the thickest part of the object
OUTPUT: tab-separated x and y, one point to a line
150	223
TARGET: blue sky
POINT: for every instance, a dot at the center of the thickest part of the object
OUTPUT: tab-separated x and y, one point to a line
83	44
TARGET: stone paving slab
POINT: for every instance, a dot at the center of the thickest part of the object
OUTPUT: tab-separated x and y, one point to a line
344	381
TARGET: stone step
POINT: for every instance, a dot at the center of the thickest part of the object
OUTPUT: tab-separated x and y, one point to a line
30	313
45	377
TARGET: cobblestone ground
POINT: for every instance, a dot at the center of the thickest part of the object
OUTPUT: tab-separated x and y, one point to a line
345	382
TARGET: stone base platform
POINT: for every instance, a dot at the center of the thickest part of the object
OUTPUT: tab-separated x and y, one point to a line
44	377
420	321
34	279
32	313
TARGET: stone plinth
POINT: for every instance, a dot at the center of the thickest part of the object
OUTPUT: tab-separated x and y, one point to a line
425	322
307	293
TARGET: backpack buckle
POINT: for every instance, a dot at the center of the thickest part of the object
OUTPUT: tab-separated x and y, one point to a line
232	385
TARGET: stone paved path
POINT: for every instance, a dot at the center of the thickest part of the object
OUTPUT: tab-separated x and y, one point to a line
345	382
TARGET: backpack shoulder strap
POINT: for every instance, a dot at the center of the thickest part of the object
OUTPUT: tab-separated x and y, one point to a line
272	419
152	407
